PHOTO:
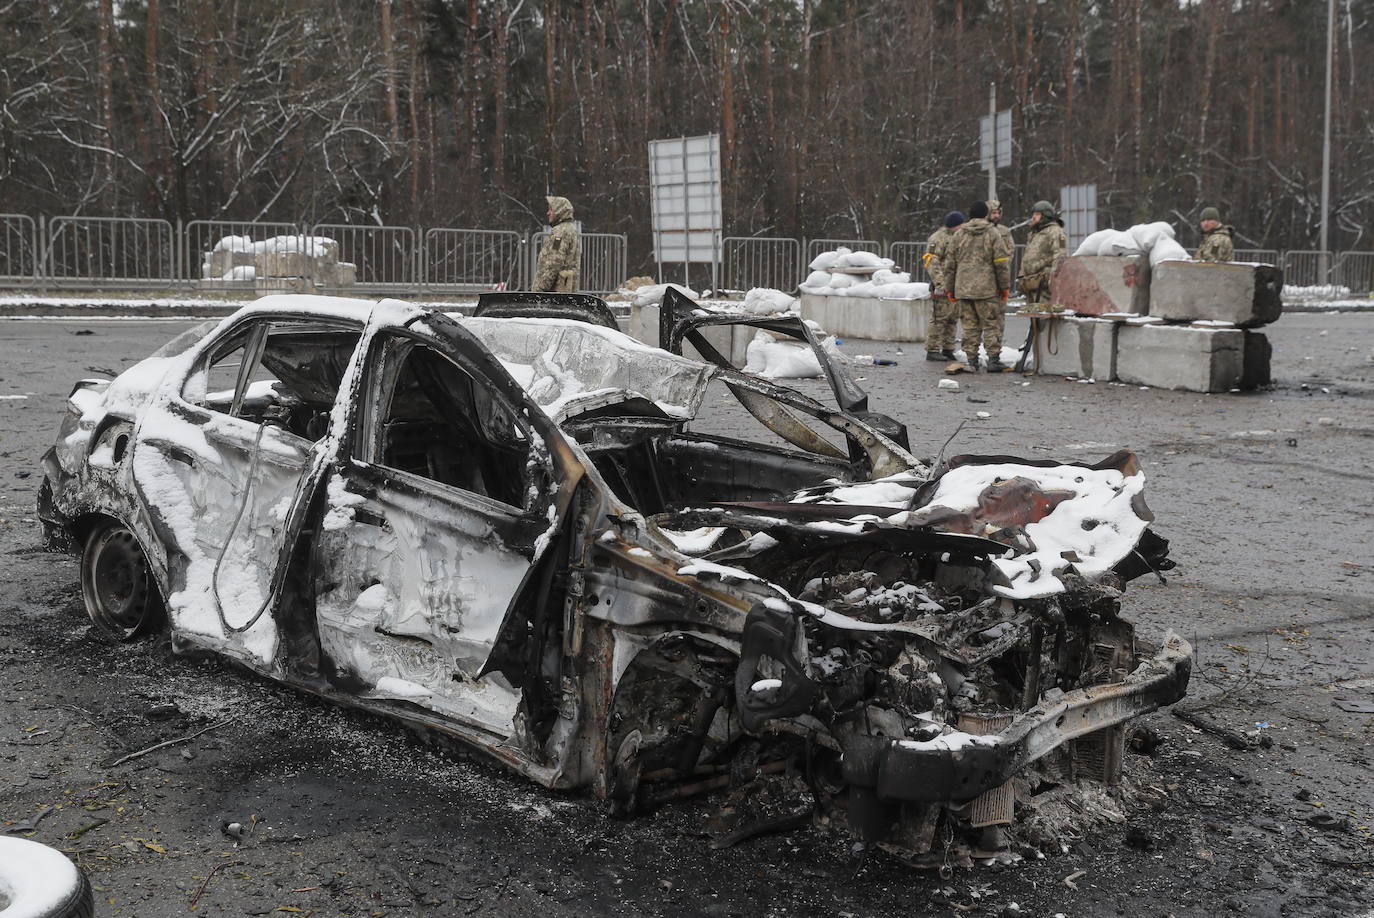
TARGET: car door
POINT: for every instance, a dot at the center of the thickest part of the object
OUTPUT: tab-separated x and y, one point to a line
222	461
434	520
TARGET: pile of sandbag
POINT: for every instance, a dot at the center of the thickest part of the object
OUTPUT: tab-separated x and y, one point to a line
766	301
1153	239
847	273
652	294
777	358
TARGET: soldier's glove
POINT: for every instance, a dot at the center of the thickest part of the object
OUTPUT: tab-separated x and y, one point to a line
952	297
1003	293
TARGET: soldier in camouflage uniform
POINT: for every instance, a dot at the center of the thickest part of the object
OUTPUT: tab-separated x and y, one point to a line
995	218
944	314
1044	251
977	272
1216	238
560	258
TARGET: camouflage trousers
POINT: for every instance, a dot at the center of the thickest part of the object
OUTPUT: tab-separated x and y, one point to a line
983	323
944	316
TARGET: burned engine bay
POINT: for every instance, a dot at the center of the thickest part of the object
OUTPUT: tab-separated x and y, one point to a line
934	659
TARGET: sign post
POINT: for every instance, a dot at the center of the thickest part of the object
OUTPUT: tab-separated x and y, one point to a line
994	140
1078	206
684	197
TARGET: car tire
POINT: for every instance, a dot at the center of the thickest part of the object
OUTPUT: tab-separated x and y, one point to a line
117	584
40	882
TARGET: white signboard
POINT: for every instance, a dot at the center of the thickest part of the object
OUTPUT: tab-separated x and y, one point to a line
1003	140
1078	207
684	195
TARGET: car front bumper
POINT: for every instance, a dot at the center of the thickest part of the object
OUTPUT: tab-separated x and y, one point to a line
959	767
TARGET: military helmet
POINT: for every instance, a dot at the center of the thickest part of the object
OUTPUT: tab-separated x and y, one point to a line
1045	208
1210	213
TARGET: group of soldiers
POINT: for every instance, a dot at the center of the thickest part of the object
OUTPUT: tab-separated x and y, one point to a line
969	260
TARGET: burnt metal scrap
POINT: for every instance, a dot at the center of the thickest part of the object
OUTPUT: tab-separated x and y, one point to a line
511	529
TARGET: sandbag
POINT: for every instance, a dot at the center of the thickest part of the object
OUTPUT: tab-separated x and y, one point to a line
1147	234
1167	250
1090	245
1119	243
827	260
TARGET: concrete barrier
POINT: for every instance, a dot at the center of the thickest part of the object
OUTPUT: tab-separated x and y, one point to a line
1084	348
1255	366
1092	285
1180	357
1246	295
868	317
731	340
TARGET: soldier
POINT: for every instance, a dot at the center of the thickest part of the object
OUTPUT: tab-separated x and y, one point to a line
1216	238
1044	251
560	258
976	271
995	218
944	314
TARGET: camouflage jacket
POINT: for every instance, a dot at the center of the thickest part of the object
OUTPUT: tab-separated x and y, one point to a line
1044	250
977	264
935	252
1005	235
560	257
1217	246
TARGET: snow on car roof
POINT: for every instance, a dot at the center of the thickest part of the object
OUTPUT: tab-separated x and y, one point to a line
568	366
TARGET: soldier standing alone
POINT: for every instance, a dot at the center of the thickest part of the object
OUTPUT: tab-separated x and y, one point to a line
977	272
560	257
944	313
1216	238
1044	251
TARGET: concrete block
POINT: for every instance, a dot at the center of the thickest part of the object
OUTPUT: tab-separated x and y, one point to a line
868	317
284	264
1244	294
1084	348
1180	357
345	274
222	262
1092	285
1255	364
729	340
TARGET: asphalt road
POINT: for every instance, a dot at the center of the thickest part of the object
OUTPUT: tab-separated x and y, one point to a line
1264	497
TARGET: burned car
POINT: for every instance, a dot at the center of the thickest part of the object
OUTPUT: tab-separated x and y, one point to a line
519	530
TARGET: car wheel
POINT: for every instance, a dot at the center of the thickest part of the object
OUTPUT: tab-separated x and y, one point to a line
39	882
117	584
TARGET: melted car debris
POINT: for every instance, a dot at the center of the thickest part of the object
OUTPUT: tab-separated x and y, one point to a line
508	529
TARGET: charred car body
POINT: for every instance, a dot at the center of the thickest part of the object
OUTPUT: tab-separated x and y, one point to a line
511	528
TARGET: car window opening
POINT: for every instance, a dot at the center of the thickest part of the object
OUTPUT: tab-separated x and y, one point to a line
440	425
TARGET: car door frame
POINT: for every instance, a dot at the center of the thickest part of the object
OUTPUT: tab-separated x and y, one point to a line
175	402
541	522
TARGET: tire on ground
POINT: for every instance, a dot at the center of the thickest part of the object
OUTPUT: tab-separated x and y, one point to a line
40	882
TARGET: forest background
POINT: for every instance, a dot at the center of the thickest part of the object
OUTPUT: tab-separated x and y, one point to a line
838	118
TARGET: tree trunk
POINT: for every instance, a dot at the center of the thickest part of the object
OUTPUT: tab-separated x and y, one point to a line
106	52
393	117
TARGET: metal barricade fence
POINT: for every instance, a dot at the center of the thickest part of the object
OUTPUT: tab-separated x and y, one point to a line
380	258
222	254
471	260
19	248
910	257
109	251
1259	256
815	247
1354	271
761	261
1304	269
603	262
